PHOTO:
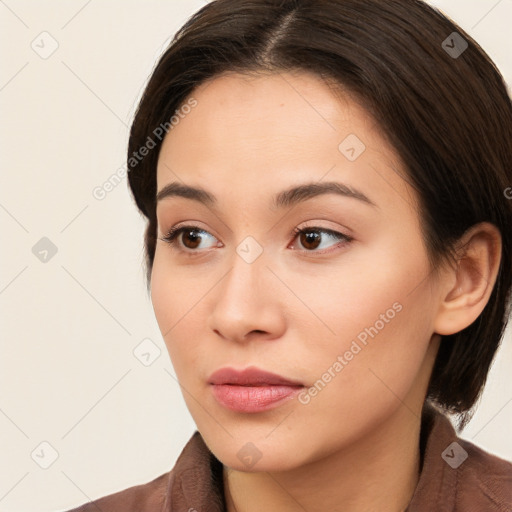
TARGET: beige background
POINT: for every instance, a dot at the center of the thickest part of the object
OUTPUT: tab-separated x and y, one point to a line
68	374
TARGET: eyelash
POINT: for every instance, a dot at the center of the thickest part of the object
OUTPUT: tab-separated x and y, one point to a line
174	233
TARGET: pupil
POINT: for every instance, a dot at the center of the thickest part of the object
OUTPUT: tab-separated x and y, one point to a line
312	237
192	236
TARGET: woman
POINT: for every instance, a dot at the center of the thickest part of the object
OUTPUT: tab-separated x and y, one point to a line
329	255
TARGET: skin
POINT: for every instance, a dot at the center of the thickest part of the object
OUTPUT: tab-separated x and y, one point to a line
297	307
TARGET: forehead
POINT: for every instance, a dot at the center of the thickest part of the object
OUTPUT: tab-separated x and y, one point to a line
268	130
269	107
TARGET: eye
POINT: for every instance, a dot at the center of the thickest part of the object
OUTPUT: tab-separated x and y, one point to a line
312	238
189	237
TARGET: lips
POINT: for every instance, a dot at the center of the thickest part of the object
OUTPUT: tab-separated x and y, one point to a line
251	376
251	390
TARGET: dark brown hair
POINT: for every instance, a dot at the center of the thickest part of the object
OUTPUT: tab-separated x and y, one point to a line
436	95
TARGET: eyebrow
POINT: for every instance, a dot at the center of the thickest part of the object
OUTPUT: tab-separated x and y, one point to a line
286	198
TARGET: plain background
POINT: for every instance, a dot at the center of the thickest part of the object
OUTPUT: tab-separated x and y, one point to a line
70	324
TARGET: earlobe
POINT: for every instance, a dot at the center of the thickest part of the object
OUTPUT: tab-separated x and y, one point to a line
470	284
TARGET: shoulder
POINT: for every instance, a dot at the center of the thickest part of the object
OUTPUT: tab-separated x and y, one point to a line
195	478
457	474
149	496
485	476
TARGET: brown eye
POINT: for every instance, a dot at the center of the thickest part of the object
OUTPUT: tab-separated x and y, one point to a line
313	238
191	239
187	238
310	239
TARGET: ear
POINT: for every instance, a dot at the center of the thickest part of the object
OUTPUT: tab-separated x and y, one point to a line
469	285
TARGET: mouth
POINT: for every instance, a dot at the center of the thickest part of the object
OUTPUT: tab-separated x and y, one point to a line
252	390
250	376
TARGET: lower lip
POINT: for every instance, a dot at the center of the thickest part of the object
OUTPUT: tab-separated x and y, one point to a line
253	398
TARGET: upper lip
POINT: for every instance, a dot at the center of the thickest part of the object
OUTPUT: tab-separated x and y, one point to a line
249	376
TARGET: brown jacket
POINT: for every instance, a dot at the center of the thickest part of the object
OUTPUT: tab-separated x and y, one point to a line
456	476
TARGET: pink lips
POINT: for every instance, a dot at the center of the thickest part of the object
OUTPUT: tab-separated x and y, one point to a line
251	390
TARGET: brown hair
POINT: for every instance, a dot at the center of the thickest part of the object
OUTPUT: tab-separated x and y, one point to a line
436	95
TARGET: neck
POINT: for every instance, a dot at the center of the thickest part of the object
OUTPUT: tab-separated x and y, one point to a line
379	472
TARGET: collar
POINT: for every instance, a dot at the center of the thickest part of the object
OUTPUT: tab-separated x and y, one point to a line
196	482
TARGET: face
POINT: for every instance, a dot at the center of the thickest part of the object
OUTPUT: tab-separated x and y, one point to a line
329	287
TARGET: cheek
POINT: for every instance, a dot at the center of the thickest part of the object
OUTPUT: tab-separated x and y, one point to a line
176	297
379	299
381	310
368	286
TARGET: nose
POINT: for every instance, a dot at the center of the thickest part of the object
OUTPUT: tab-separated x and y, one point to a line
247	303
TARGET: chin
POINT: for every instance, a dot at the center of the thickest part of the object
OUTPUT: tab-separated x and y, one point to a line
253	452
271	463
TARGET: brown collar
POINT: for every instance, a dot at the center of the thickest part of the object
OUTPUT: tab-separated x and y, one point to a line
196	482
